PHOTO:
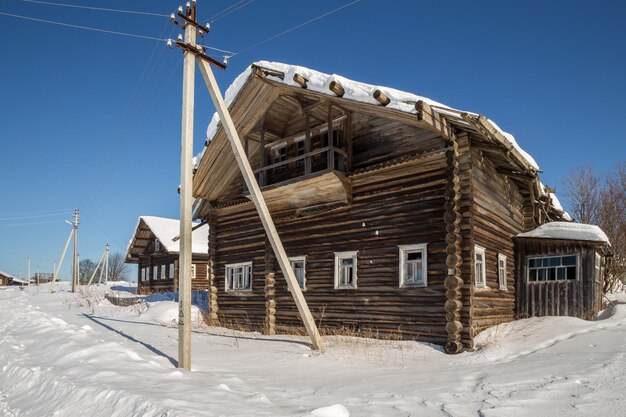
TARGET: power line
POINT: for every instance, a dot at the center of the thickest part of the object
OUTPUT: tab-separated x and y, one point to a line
229	10
101	9
33	217
294	28
29	224
132	35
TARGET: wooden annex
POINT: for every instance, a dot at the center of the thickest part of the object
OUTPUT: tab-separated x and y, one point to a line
398	213
154	248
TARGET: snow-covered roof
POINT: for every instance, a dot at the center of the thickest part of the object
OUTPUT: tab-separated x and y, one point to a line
568	231
166	230
6	274
354	90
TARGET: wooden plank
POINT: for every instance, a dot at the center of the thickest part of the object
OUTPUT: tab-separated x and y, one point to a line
257	196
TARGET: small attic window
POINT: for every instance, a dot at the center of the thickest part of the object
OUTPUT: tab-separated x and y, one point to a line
157	245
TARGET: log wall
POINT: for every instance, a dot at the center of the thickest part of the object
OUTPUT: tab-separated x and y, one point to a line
497	216
157	283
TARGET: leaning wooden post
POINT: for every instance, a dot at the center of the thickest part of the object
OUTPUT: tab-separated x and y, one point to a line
261	206
56	272
95	270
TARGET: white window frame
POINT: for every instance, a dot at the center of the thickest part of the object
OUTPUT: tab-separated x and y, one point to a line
170	275
404	251
143	274
157	245
482	282
553	255
162	271
502	271
238	265
154	272
597	268
303	260
339	256
193	271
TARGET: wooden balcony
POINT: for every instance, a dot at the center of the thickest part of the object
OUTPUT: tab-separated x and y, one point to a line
313	179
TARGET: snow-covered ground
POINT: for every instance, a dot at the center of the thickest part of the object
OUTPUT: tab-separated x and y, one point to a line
77	355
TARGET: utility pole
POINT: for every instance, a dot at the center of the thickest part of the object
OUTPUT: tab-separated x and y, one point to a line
106	265
186	199
37	275
205	62
28	272
74	262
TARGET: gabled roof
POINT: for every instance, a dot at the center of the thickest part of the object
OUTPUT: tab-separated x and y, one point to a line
263	82
568	231
164	229
6	274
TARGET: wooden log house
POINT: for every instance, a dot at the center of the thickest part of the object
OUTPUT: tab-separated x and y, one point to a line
154	247
398	213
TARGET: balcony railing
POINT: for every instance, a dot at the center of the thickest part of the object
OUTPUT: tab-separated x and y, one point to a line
329	158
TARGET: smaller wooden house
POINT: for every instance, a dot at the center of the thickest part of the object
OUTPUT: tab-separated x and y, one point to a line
7	279
155	248
560	270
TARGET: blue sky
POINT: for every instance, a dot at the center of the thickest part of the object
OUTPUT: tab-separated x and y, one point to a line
86	123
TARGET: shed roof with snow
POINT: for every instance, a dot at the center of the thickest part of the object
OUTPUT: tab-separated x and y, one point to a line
567	231
166	231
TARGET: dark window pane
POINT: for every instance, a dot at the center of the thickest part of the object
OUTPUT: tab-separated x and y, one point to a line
571	272
533	263
532	275
414	256
569	260
555	261
560	273
551	274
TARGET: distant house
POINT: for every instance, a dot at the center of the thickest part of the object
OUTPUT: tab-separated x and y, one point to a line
155	248
401	216
7	279
42	278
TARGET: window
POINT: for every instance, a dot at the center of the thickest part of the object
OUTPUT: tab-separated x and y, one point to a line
154	272
162	272
171	272
143	274
480	275
345	269
552	268
597	267
239	277
413	265
502	271
193	271
279	154
300	150
157	245
298	264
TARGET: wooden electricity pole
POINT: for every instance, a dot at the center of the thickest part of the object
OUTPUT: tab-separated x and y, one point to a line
28	276
106	265
74	264
186	199
205	62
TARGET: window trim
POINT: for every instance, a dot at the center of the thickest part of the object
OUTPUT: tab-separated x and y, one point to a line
170	274
502	279
404	250
154	273
194	269
480	250
345	255
552	255
237	265
162	268
157	245
302	259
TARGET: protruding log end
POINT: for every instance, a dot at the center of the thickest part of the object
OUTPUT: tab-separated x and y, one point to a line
300	80
381	97
454	347
336	88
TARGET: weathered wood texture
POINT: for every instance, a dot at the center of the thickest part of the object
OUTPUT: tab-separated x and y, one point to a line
577	298
394	202
497	217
